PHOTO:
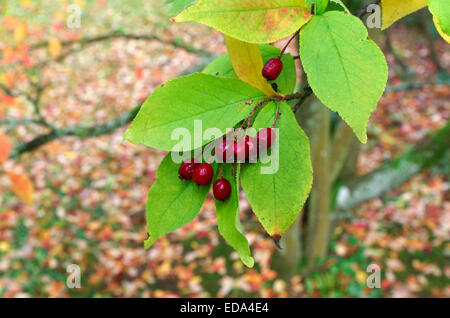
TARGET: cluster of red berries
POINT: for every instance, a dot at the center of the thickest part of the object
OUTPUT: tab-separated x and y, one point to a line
247	147
202	174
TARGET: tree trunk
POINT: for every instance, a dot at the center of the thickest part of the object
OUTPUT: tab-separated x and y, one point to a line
317	235
345	151
308	245
426	27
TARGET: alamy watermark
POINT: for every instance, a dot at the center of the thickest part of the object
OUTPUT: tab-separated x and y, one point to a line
269	158
74	19
374	19
74	278
374	279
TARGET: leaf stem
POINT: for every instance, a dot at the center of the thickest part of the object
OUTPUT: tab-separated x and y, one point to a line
277	115
287	44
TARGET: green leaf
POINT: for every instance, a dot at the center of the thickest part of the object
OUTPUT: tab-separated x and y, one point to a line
216	102
438	28
277	198
171	203
346	70
441	10
179	5
228	219
337	5
256	21
285	82
319	6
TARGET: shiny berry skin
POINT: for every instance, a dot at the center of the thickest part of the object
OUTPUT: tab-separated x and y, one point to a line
266	136
245	148
272	69
252	147
240	150
222	189
203	174
187	169
225	149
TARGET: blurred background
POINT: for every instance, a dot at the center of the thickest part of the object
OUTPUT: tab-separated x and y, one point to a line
72	192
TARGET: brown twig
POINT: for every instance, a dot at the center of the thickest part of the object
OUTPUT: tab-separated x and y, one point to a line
287	44
307	91
278	98
277	115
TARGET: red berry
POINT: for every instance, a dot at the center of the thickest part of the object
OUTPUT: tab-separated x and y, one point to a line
245	148
203	174
240	150
266	136
252	147
224	151
187	169
272	69
222	189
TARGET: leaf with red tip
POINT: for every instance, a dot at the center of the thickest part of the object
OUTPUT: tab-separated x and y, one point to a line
278	185
253	21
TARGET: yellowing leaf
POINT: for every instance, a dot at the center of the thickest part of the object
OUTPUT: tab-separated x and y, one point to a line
248	64
438	28
393	10
20	33
5	148
54	47
22	187
254	21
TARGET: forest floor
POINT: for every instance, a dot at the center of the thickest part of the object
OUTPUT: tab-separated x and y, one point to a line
90	194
